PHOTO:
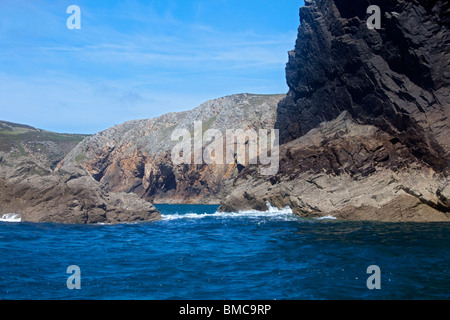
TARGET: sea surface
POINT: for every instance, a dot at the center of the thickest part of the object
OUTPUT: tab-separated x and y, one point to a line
197	253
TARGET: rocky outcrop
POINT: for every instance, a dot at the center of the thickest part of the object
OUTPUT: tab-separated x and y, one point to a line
71	195
349	171
136	156
395	78
365	128
31	190
110	177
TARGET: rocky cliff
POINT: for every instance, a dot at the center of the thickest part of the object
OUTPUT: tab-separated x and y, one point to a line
396	78
348	171
364	131
136	156
365	126
31	190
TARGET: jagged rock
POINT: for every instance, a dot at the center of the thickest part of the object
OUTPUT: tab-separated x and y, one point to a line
395	78
69	196
365	124
444	194
364	132
136	156
340	169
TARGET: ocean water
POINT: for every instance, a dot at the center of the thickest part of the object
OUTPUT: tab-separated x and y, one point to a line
196	253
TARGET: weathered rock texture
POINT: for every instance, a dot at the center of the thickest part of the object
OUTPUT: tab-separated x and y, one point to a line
70	196
349	171
396	78
365	124
364	130
136	156
31	189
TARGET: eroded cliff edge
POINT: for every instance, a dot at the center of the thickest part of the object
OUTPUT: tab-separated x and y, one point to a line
365	125
135	156
30	189
396	78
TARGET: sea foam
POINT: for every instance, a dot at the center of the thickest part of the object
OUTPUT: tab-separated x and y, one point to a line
326	218
11	217
271	212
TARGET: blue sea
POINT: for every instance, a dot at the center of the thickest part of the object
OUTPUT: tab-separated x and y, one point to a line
197	253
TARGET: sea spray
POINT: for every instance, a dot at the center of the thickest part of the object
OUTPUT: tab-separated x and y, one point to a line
11	217
271	212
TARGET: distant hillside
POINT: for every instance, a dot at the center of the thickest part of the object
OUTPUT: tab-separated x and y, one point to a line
135	156
31	189
47	147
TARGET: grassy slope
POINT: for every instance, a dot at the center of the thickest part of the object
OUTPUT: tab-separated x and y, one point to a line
22	140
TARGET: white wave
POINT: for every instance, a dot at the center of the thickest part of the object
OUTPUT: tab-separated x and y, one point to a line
11	217
326	218
271	212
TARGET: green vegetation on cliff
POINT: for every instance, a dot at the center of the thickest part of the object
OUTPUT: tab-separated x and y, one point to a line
23	140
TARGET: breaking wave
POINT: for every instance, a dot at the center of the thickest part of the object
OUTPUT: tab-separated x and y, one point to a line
326	218
271	212
11	217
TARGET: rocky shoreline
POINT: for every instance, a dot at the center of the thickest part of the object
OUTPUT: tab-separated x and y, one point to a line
71	195
364	135
348	171
365	128
31	190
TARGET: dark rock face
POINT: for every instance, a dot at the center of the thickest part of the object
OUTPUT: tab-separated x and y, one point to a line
365	127
364	130
396	78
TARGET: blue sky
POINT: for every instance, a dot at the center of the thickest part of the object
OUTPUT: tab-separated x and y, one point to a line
136	59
